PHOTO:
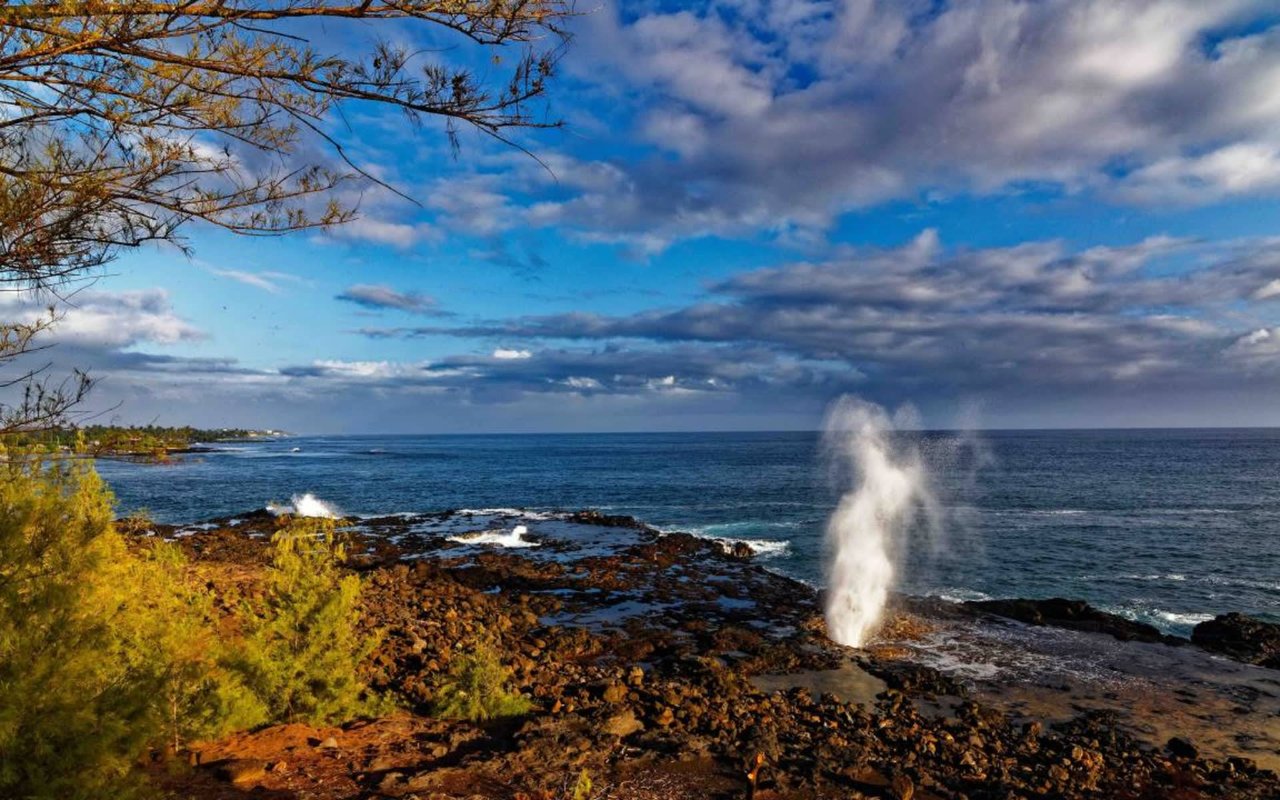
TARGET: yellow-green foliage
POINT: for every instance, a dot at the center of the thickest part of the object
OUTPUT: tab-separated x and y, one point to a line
136	522
476	689
77	683
103	651
582	789
301	658
200	694
106	651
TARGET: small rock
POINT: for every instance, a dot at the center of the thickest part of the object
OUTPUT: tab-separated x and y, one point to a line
1181	748
622	724
615	693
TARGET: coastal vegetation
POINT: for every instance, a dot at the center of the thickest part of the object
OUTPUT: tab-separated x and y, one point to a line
142	442
477	689
303	648
111	646
122	124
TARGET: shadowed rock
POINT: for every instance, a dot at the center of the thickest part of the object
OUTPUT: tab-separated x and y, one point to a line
1075	615
1241	637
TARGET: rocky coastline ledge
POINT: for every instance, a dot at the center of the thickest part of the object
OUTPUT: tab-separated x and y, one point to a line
668	666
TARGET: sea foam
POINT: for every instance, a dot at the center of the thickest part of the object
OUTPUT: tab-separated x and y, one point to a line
512	538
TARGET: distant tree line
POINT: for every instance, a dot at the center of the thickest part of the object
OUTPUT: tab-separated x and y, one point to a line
145	441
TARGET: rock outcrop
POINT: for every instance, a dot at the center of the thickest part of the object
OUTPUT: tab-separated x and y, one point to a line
1241	637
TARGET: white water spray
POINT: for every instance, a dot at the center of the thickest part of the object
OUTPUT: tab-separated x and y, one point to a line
306	505
868	528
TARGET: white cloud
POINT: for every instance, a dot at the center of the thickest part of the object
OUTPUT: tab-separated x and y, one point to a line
1267	291
505	354
106	319
267	281
781	116
402	235
1239	169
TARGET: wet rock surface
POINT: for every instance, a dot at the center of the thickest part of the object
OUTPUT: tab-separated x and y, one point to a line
668	666
1241	637
1073	615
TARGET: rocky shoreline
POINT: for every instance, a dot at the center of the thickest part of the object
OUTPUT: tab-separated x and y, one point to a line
667	666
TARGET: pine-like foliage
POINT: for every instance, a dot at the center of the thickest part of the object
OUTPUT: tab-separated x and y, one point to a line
76	693
104	650
199	695
476	689
302	657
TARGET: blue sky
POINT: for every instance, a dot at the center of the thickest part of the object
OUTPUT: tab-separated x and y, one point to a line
1021	214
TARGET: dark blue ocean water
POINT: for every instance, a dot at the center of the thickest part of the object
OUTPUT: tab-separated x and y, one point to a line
1169	527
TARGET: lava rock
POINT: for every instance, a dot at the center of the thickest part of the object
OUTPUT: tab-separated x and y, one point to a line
622	724
1181	748
1241	637
1075	615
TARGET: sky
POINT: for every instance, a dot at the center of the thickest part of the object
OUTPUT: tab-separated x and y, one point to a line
1042	213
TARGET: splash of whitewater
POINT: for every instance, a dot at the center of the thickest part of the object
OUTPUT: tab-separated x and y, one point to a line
306	505
870	524
514	538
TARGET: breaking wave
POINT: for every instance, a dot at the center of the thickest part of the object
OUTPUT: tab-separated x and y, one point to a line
512	538
306	505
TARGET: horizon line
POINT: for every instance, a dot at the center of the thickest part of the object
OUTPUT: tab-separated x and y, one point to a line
1115	428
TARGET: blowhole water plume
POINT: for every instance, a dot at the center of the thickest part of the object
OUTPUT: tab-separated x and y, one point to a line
306	505
889	492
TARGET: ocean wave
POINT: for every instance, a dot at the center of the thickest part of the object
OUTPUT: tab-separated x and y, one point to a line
1170	576
507	512
1159	617
762	548
513	538
1112	512
306	505
1183	619
958	595
1033	512
1218	580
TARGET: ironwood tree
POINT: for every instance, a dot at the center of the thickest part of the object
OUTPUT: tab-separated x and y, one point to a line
122	121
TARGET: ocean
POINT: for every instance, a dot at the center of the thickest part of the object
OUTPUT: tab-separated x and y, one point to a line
1169	527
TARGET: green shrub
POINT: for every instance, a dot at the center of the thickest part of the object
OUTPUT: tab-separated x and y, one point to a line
200	695
302	656
103	651
476	689
76	688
